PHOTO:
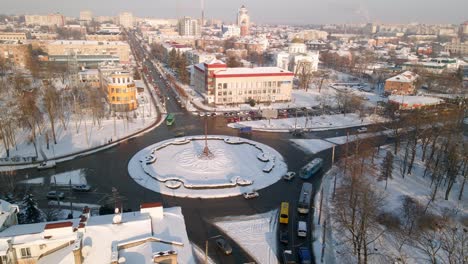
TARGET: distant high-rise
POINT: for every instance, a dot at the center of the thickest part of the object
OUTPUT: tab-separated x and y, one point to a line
126	19
243	20
86	16
189	27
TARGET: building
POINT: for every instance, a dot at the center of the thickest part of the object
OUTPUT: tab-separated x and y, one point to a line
459	48
151	235
196	57
243	21
109	28
90	77
104	36
308	35
188	27
222	85
311	59
435	65
8	215
102	50
121	91
15	53
86	16
13	36
282	60
295	48
401	84
229	31
50	20
126	20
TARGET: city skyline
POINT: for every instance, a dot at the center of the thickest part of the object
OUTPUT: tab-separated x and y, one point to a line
262	11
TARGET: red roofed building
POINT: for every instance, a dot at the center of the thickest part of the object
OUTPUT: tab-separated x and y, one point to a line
222	85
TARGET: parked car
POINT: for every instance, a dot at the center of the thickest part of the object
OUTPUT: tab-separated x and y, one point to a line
47	165
304	255
288	257
55	195
250	195
224	246
179	133
289	175
81	188
362	129
284	236
301	229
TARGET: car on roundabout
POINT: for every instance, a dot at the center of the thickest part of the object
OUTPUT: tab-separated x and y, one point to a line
47	165
251	195
289	175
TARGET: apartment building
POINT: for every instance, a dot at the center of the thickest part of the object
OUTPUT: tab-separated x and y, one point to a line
401	84
223	85
49	20
121	91
84	48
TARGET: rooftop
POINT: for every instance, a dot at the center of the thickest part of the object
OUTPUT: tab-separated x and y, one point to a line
406	76
254	71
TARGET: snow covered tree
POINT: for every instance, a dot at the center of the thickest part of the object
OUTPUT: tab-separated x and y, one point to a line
387	168
31	213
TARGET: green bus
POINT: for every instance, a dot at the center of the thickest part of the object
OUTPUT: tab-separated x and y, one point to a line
170	119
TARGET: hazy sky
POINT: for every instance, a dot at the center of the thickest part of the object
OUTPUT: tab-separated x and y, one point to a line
262	11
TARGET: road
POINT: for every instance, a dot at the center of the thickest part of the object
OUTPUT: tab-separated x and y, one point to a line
107	169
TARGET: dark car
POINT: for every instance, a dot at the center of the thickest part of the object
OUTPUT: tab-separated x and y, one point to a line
284	236
224	246
304	255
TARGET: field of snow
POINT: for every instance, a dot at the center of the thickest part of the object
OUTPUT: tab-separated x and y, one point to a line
177	168
79	136
312	146
415	186
313	123
76	177
256	234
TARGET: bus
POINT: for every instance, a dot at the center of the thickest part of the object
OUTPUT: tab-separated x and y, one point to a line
311	168
284	213
170	119
305	198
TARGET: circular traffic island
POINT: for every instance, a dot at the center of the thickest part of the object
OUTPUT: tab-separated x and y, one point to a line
206	167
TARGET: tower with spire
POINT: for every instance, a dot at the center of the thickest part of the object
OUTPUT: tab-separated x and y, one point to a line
243	20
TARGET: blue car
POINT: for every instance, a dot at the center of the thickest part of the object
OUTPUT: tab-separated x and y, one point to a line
304	256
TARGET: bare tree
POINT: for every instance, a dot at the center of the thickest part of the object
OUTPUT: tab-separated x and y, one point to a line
387	168
51	101
304	74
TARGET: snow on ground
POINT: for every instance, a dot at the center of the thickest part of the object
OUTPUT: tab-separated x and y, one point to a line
312	146
313	123
178	169
76	177
414	100
79	136
415	185
256	234
200	255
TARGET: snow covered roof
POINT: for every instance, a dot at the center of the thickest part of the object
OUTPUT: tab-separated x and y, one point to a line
6	209
253	71
414	100
86	42
406	76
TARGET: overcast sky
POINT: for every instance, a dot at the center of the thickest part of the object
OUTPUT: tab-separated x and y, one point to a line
261	11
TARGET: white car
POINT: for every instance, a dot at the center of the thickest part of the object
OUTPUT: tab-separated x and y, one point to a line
47	165
250	195
289	175
362	130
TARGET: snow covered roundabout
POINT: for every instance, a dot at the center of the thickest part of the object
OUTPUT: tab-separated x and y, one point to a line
220	166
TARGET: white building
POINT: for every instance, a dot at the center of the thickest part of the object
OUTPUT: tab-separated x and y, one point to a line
222	85
86	16
109	28
282	60
152	235
295	48
189	27
243	21
311	58
50	20
229	31
126	20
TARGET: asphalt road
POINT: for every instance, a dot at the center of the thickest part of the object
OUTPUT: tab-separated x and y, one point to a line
108	169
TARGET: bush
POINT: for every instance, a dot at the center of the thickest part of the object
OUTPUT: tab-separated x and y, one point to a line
252	102
429	221
389	220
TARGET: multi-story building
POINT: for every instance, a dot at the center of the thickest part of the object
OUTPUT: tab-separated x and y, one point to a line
86	16
13	36
104	36
243	21
460	48
151	235
121	91
126	20
307	35
295	48
83	48
222	85
401	84
90	77
229	31
57	20
188	27
15	53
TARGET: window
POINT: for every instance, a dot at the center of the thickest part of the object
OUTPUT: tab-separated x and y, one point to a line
225	85
3	260
112	90
25	253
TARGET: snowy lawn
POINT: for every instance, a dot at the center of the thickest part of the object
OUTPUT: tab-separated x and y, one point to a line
84	134
178	169
75	177
314	123
256	234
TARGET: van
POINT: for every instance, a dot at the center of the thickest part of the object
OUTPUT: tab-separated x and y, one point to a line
302	229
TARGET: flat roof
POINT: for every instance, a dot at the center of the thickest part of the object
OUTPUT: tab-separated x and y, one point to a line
252	72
